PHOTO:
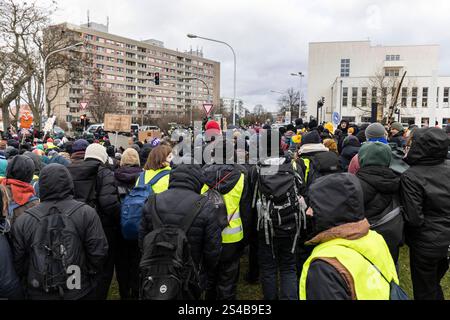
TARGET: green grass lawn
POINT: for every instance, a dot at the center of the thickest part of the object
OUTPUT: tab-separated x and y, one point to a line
253	292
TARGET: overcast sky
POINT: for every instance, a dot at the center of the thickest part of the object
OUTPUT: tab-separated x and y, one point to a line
270	37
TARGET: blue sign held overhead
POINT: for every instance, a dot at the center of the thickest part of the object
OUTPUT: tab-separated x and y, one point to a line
336	118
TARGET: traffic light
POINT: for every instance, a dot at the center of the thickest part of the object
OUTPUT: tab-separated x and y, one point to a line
157	78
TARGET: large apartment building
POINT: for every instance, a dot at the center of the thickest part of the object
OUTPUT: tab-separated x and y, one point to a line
127	68
353	75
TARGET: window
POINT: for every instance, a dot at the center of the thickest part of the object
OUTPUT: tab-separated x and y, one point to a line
354	97
425	97
392	72
374	95
392	57
404	97
414	97
364	97
345	97
446	94
345	67
425	122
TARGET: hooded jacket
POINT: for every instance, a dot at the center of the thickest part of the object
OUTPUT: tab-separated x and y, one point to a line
91	175
337	202
350	149
205	235
57	189
425	189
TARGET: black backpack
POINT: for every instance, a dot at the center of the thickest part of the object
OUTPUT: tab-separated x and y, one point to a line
56	246
167	270
279	202
322	164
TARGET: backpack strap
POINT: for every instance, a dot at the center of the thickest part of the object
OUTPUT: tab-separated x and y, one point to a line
156	220
189	219
37	213
158	177
155	179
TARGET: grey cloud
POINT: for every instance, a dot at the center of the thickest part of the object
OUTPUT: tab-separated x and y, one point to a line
270	36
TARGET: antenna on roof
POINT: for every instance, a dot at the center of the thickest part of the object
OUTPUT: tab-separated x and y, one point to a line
107	22
88	20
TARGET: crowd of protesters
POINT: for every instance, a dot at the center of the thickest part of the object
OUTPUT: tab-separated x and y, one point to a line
359	194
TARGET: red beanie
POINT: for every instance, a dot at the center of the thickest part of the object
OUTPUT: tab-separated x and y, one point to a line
212	125
49	140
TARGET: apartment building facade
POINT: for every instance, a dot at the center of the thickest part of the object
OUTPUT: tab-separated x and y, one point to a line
353	75
128	67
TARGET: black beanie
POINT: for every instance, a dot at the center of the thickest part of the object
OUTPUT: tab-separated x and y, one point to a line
313	125
312	137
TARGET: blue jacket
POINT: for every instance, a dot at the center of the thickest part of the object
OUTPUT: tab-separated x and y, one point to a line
9	282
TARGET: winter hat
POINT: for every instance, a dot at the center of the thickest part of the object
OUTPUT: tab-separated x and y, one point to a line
329	127
13	143
20	168
130	157
297	139
352	141
11	152
136	147
312	125
311	138
351	130
49	140
375	131
40	147
375	154
212	125
96	151
80	145
397	126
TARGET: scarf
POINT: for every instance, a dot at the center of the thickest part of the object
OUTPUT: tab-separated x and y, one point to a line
21	191
382	140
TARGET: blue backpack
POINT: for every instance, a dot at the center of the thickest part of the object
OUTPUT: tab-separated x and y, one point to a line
133	204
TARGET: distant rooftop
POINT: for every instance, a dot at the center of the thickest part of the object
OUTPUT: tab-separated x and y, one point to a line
96	26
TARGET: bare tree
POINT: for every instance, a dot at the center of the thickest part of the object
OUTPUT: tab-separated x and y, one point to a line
291	102
385	86
259	109
62	69
19	24
101	102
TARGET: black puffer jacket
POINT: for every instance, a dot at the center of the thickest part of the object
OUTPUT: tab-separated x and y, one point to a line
205	235
106	200
56	189
379	185
425	190
216	173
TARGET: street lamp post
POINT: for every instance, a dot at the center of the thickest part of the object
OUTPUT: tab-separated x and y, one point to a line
192	36
45	67
301	75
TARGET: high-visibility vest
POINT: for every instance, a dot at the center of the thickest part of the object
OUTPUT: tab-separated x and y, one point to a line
235	231
160	186
369	283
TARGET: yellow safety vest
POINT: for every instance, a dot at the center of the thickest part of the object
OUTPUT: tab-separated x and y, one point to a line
369	284
163	183
235	231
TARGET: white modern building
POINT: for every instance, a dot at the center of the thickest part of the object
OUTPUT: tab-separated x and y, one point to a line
351	76
227	107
